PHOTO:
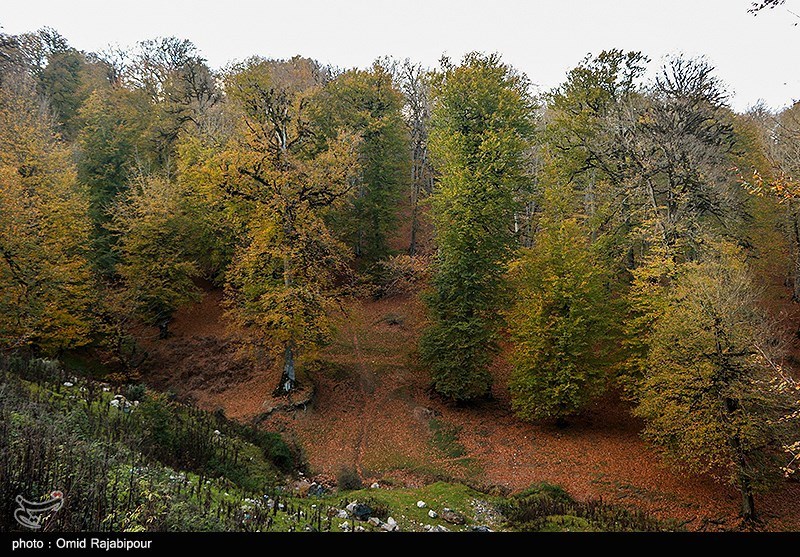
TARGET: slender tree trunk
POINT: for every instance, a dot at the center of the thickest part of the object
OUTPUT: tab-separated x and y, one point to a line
796	249
288	378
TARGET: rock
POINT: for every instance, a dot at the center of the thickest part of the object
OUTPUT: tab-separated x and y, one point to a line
427	527
421	504
360	528
342	514
375	485
391	522
439	528
361	511
281	506
345	526
217	432
106	389
68	383
301	488
481	529
386	526
114	403
375	521
351	506
451	516
433	514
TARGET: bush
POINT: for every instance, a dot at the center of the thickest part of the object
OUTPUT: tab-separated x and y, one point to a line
546	508
402	274
348	479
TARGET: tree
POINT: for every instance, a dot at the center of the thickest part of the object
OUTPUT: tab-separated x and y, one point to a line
45	281
112	148
415	84
280	282
712	397
480	136
560	324
154	249
366	103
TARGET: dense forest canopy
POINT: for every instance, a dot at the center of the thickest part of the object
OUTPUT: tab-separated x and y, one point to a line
615	232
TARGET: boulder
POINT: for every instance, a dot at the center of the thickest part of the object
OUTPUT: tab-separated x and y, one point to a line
361	511
342	514
433	514
375	521
421	504
453	517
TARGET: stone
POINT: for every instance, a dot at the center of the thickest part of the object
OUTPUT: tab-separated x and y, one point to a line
351	506
302	487
481	529
391	522
375	521
342	514
421	504
451	516
361	511
433	514
375	485
390	527
345	526
427	527
440	528
68	383
114	403
360	528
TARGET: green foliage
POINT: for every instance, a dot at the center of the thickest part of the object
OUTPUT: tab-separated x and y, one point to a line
712	396
560	324
480	131
156	234
548	508
45	280
368	104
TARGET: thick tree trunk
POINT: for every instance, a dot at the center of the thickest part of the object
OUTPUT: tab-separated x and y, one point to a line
288	377
748	504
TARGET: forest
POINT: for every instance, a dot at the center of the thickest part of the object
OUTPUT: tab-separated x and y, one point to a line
307	260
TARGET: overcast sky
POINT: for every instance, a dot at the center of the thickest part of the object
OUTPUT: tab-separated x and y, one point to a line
755	56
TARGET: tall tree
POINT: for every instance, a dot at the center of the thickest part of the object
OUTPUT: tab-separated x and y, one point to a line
560	323
156	236
280	283
712	396
45	281
368	104
480	135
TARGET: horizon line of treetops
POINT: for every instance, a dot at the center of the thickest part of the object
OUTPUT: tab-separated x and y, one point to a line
614	231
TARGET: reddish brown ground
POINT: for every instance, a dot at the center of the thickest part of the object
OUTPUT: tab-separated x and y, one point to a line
372	410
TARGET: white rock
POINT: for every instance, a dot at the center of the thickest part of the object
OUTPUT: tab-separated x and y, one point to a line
375	485
432	514
440	528
217	432
421	504
351	507
360	529
68	383
114	403
345	526
391	522
342	514
427	527
106	389
375	521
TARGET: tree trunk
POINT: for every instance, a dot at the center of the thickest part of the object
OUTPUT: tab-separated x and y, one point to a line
163	329
748	504
288	378
796	254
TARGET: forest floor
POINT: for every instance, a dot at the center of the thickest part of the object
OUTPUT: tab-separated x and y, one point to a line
373	410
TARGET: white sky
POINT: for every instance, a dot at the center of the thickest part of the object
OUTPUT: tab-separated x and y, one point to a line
755	56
